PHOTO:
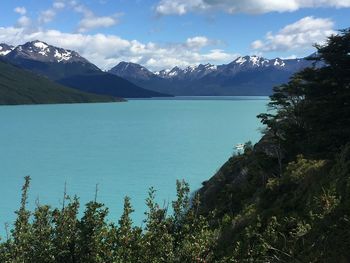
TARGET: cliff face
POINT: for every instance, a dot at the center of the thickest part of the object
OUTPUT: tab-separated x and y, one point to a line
299	215
236	176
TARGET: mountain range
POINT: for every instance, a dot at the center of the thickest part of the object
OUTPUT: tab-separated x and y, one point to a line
68	68
248	75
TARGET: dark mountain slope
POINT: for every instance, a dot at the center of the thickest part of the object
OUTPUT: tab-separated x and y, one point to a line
105	83
18	86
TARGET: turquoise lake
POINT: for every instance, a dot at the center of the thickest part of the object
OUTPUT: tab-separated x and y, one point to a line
123	147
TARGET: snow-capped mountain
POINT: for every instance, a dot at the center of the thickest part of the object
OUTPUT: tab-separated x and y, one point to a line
133	70
41	51
53	62
189	73
5	49
239	64
126	69
256	62
67	67
246	75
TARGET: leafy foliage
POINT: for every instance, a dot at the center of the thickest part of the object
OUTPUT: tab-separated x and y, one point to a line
59	235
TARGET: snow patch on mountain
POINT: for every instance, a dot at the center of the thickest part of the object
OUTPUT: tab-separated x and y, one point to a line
279	63
191	68
63	56
255	60
4	52
5	49
240	60
173	74
40	45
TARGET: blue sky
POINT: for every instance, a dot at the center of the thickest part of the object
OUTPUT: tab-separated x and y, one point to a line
165	33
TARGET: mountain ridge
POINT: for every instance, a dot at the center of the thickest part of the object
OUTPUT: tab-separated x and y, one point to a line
246	75
64	65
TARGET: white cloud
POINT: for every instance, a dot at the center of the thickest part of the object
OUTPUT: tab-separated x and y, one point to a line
89	20
92	22
297	36
108	50
59	5
218	55
23	22
290	57
79	8
197	42
181	7
20	10
47	16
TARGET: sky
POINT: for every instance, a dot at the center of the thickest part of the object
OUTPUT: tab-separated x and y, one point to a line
161	34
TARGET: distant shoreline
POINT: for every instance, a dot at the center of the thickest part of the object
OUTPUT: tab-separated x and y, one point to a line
205	98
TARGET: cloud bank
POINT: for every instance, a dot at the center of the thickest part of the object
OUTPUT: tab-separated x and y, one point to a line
108	50
181	7
297	36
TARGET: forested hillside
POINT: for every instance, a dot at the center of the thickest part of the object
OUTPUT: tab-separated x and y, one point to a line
18	86
285	199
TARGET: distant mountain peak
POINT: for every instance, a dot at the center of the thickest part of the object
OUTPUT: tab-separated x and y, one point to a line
130	69
53	62
40	44
41	51
192	71
5	49
258	61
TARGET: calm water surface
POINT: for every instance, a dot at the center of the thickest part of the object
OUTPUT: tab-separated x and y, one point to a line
123	147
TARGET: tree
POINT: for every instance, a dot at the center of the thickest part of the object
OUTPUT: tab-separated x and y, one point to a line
128	238
42	248
22	231
93	231
157	242
311	113
65	236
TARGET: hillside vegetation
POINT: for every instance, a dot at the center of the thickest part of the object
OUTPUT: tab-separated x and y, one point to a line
18	86
285	199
